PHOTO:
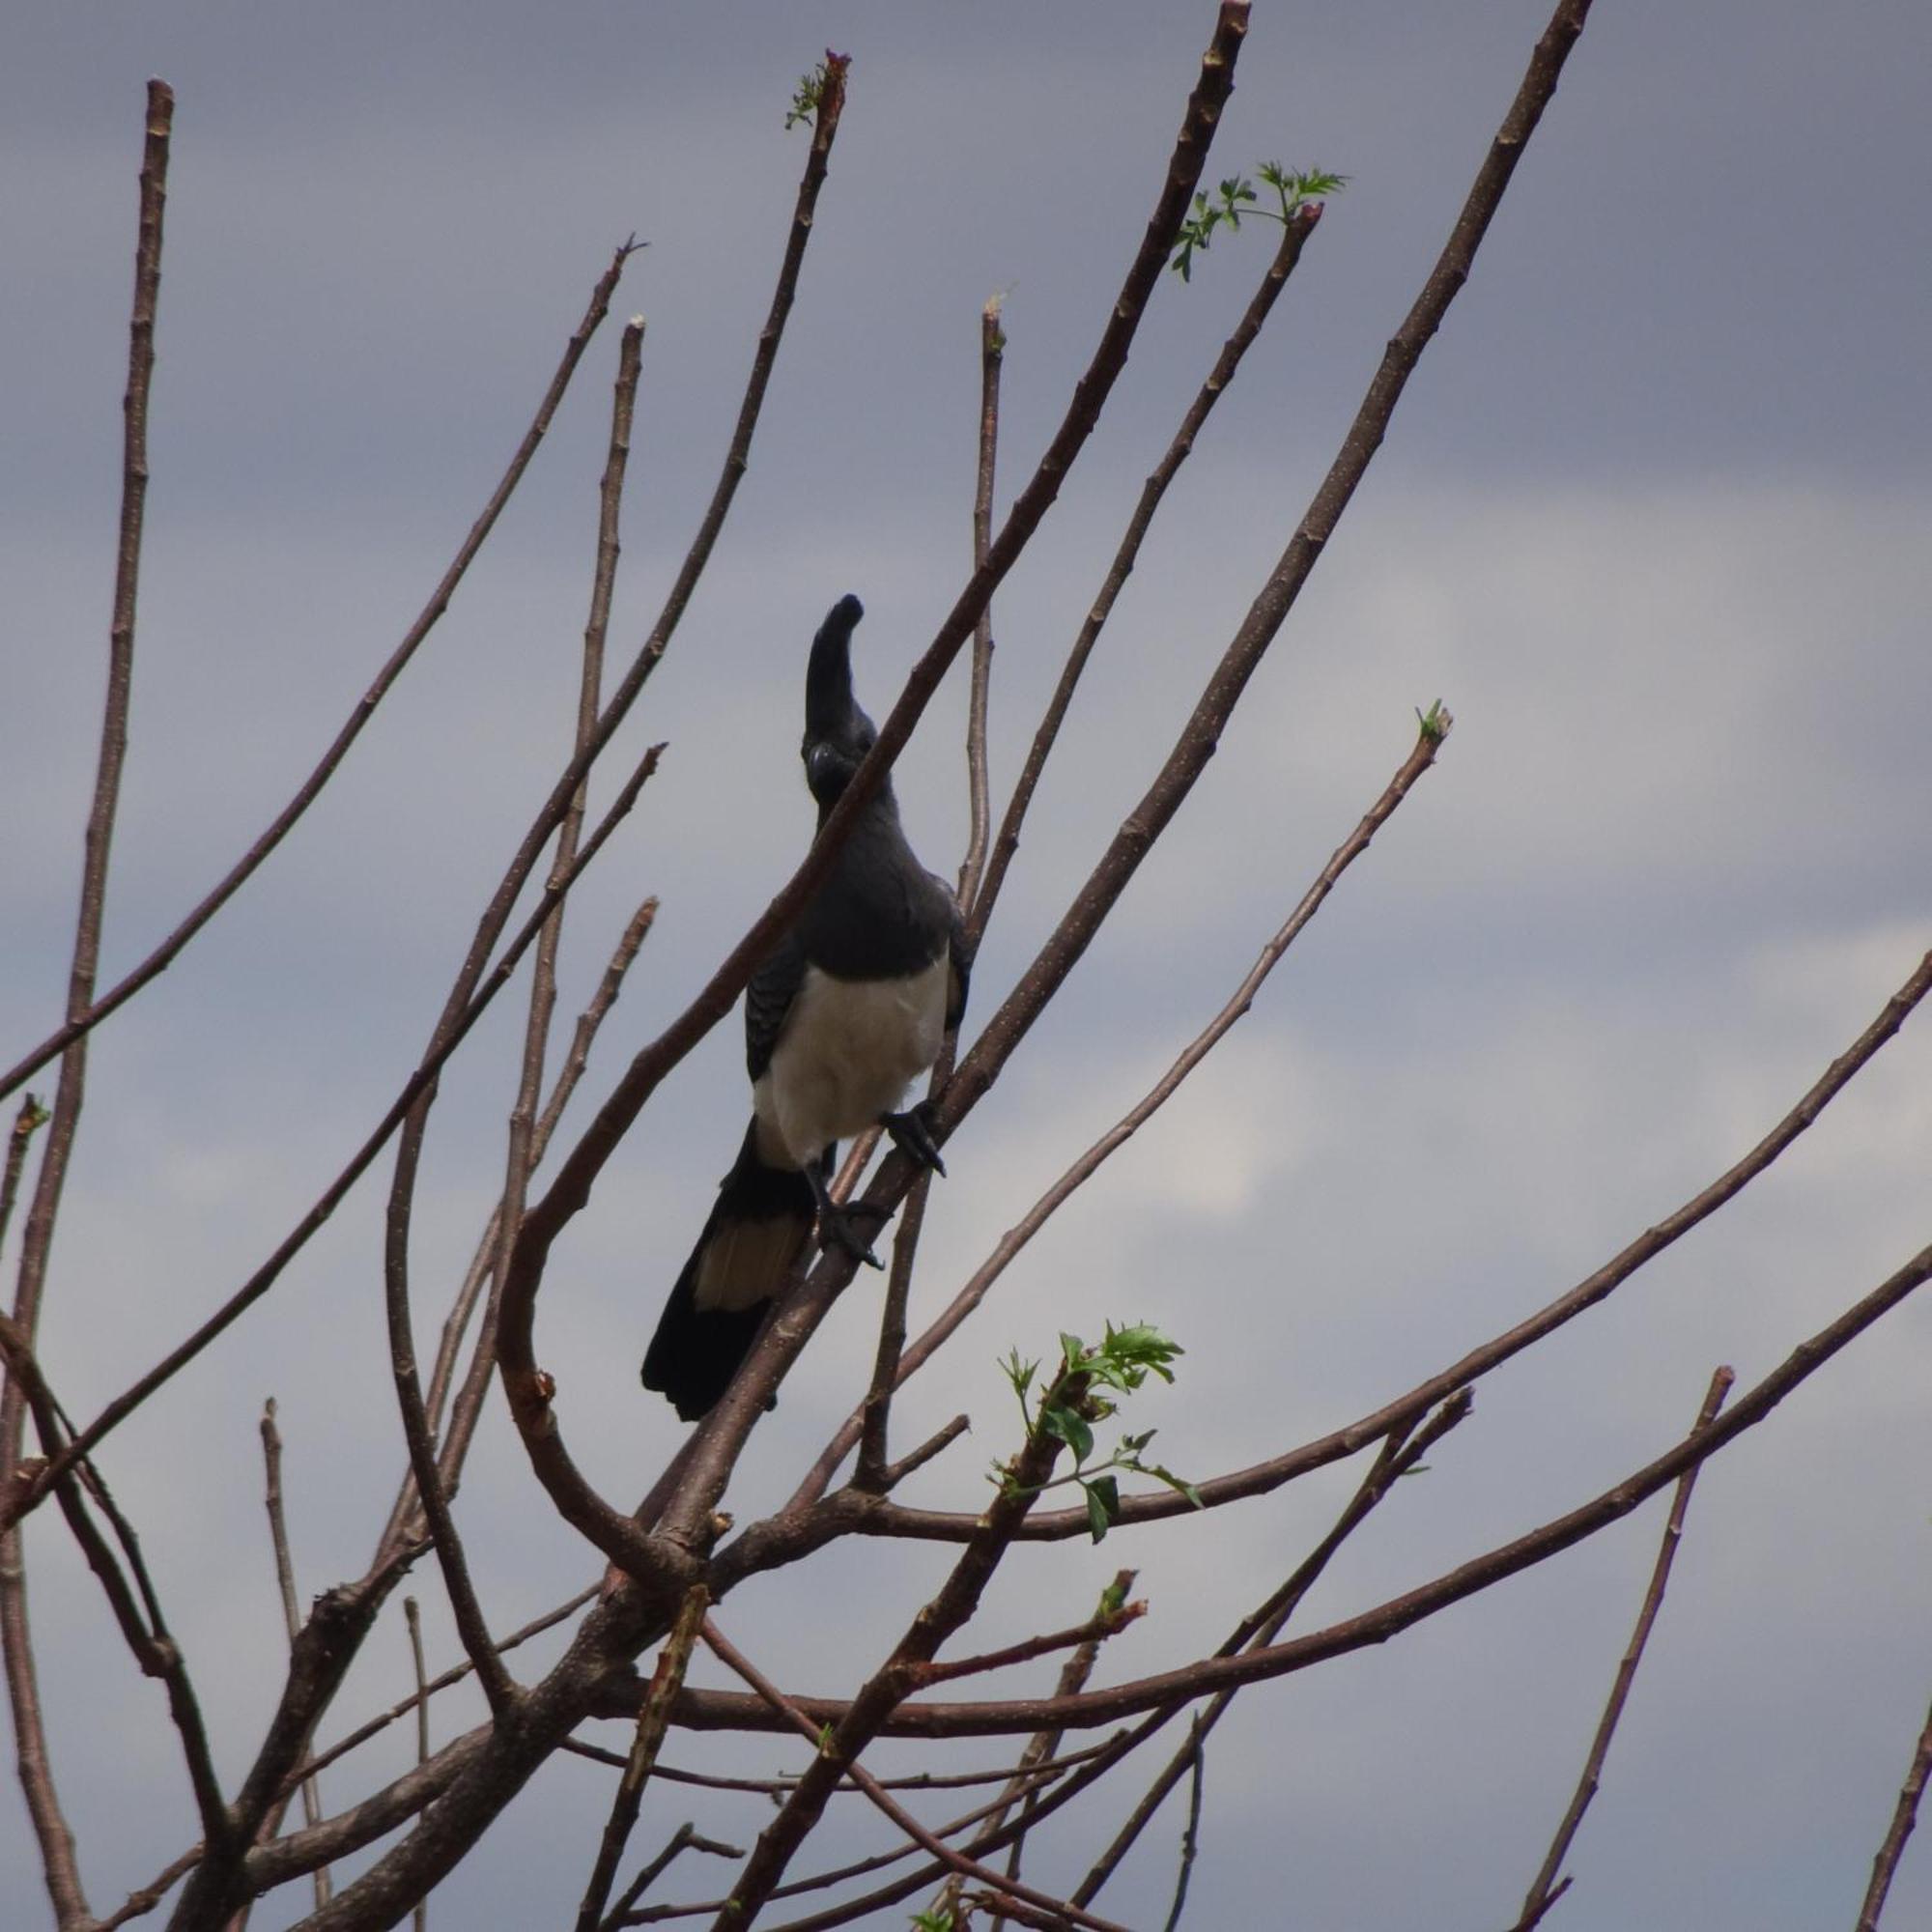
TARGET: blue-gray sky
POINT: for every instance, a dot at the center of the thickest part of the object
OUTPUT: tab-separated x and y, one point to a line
1652	519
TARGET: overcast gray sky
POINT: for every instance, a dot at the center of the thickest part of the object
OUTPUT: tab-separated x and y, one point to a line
1652	519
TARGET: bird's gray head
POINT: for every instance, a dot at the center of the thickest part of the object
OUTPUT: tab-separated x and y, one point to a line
838	733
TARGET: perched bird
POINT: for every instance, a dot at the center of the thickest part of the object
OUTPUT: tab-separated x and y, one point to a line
848	1010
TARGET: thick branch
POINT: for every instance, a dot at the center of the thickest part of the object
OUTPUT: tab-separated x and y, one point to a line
1386	1620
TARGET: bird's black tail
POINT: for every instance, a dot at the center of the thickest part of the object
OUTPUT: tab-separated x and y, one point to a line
759	1222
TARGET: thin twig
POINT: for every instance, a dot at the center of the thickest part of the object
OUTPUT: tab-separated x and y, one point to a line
520	1157
653	1717
285	1577
748	1901
416	1702
1190	1837
138	1904
841	1874
1544	1890
1110	1620
992	356
685	1839
780	1787
1399	1455
169	950
1044	1744
131	1595
412	1617
59	1864
1904	1816
1294	234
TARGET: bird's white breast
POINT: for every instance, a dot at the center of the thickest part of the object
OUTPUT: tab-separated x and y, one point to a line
848	1050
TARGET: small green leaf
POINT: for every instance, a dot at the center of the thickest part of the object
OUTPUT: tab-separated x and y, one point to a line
1174	1481
1069	1428
1097	1517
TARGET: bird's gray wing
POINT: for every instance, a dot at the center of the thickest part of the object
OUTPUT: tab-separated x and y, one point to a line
768	1001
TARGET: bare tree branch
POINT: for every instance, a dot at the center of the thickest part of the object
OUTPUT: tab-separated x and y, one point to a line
1386	1620
1044	1744
285	1577
992	356
1401	1455
412	1617
58	1861
1904	1816
1543	1891
454	1675
684	1838
653	1718
1190	1837
935	1625
743	1908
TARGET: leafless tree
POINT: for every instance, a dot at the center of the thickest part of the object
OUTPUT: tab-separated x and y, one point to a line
674	1560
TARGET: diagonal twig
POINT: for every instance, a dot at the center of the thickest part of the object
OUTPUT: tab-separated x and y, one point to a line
1905	1815
955	1860
878	1407
653	1720
685	1839
1401	1455
1544	1889
285	1577
1045	1744
1190	1837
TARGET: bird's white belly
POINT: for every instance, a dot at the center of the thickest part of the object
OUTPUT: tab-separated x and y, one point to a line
847	1053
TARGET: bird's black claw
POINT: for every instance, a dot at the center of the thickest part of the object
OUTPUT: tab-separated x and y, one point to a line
836	1231
912	1135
